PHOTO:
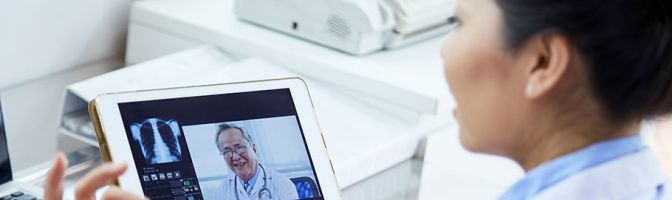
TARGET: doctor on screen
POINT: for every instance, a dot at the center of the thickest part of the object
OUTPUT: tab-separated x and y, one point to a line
250	179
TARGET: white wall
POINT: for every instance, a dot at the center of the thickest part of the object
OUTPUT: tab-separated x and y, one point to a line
41	37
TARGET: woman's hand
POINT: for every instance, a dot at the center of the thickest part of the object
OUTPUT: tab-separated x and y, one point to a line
86	188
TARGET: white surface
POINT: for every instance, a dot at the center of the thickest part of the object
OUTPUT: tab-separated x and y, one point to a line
176	70
451	172
41	37
411	77
118	144
400	182
146	43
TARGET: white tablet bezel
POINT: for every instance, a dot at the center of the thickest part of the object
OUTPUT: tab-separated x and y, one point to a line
119	148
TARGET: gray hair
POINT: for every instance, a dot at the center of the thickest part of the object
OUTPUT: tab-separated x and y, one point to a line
224	126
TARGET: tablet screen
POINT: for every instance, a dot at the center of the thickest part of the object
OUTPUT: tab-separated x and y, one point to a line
231	146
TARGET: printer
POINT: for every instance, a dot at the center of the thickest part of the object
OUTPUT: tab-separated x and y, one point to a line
356	27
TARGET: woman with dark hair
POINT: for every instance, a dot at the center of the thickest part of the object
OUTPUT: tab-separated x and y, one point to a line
559	86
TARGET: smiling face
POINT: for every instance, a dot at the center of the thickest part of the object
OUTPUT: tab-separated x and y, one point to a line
484	79
244	163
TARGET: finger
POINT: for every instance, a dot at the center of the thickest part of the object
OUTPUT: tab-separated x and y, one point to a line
115	193
98	178
53	187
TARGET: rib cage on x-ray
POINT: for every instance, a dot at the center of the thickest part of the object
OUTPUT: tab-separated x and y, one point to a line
158	140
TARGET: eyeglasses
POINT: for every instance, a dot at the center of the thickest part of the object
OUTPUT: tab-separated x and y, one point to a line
238	149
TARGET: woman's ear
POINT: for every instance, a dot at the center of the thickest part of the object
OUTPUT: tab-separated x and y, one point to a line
549	58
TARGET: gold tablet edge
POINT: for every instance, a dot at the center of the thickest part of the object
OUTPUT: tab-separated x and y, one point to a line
100	135
324	143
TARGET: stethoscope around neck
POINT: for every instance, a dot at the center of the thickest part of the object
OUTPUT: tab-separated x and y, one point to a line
264	192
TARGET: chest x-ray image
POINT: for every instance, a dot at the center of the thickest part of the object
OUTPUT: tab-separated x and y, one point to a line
158	140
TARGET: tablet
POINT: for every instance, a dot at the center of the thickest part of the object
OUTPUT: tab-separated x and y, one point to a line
249	140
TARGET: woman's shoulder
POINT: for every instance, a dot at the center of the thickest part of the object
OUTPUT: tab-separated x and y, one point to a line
636	176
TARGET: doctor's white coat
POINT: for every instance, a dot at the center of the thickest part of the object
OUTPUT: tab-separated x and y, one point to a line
281	187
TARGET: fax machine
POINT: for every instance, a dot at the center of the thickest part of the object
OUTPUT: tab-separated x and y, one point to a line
354	26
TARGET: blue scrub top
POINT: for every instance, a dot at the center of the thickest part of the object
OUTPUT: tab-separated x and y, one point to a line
590	172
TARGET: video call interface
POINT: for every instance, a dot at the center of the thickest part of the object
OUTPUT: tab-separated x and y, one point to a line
221	147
